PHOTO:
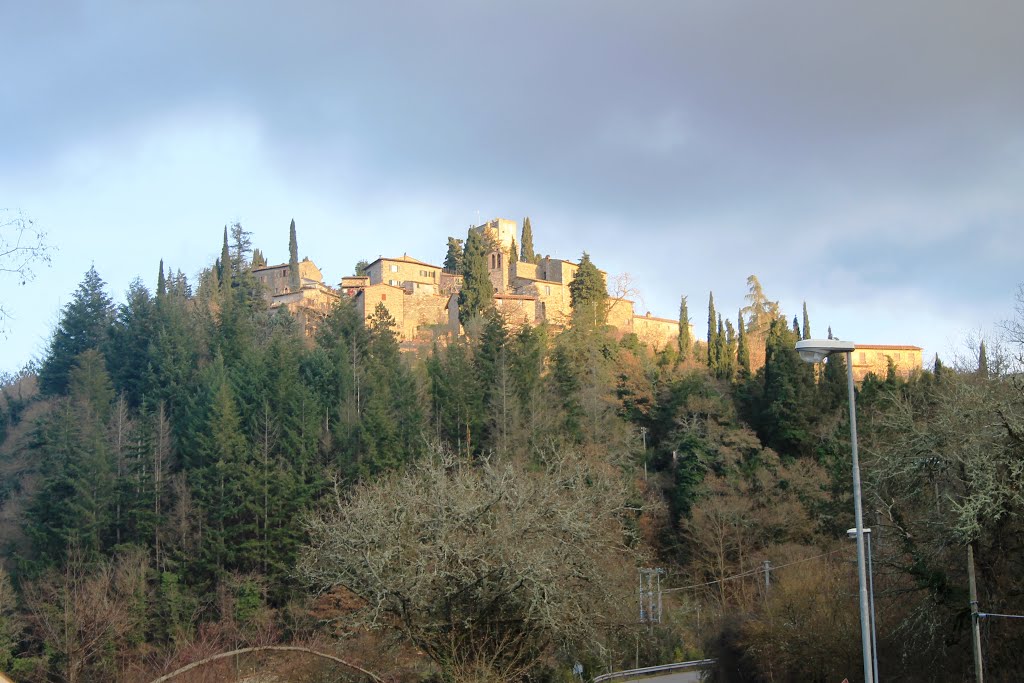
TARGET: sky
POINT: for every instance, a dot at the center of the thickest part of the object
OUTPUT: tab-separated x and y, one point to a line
867	158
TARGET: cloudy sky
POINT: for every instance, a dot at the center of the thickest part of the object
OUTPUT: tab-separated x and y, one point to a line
865	157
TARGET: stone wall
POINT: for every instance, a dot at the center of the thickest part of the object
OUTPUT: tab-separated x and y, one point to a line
656	332
875	358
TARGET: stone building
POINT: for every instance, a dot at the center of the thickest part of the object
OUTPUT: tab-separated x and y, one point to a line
310	303
875	358
500	230
410	289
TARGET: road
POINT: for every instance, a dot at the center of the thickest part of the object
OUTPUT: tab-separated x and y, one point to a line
681	677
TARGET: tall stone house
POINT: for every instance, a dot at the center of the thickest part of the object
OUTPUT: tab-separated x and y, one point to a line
310	303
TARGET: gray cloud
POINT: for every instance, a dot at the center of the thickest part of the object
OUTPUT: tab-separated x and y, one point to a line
728	131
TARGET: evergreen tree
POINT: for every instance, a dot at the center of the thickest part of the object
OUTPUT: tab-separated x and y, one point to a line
796	327
361	266
712	331
84	325
294	282
982	360
258	259
453	259
683	341
224	264
527	253
807	324
477	294
742	350
241	247
161	282
588	296
731	350
513	258
131	339
830	332
760	311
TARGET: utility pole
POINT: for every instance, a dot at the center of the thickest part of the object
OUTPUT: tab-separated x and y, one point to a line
975	619
767	576
650	595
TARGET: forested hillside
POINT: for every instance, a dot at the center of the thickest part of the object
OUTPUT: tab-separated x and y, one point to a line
186	473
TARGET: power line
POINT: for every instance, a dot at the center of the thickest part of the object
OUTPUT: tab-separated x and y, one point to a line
751	573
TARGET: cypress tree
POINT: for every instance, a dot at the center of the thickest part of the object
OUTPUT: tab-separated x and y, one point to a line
526	253
588	296
796	327
683	341
224	265
731	348
477	293
807	324
712	330
294	282
453	259
161	282
982	360
721	360
513	257
742	350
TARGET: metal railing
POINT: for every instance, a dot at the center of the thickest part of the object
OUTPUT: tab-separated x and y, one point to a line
660	669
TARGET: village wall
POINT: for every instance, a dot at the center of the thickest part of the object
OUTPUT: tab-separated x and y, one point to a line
874	358
656	332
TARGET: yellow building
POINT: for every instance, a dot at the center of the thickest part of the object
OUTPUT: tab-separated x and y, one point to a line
875	358
406	272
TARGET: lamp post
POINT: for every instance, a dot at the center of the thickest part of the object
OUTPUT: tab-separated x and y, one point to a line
815	351
852	533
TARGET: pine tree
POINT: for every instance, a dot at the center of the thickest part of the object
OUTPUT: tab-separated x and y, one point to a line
588	296
241	247
683	341
84	325
453	259
477	293
131	339
294	282
712	331
807	324
527	253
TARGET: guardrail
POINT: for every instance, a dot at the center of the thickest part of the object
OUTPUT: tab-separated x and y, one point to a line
662	668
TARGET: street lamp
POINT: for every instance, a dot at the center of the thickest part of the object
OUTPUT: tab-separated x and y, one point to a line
815	351
852	533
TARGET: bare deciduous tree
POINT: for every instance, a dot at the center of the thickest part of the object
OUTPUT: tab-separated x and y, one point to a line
22	246
484	566
84	614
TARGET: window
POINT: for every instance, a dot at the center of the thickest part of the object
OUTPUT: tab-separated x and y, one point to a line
547	289
393	282
394	269
384	297
863	357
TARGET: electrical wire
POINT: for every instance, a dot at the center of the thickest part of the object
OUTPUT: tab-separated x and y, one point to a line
751	573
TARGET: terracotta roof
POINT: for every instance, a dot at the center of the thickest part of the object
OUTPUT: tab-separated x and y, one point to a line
888	347
405	258
523	297
660	320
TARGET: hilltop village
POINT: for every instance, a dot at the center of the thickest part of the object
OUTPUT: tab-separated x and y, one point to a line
423	297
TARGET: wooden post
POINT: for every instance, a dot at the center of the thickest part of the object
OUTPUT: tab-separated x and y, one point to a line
975	625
